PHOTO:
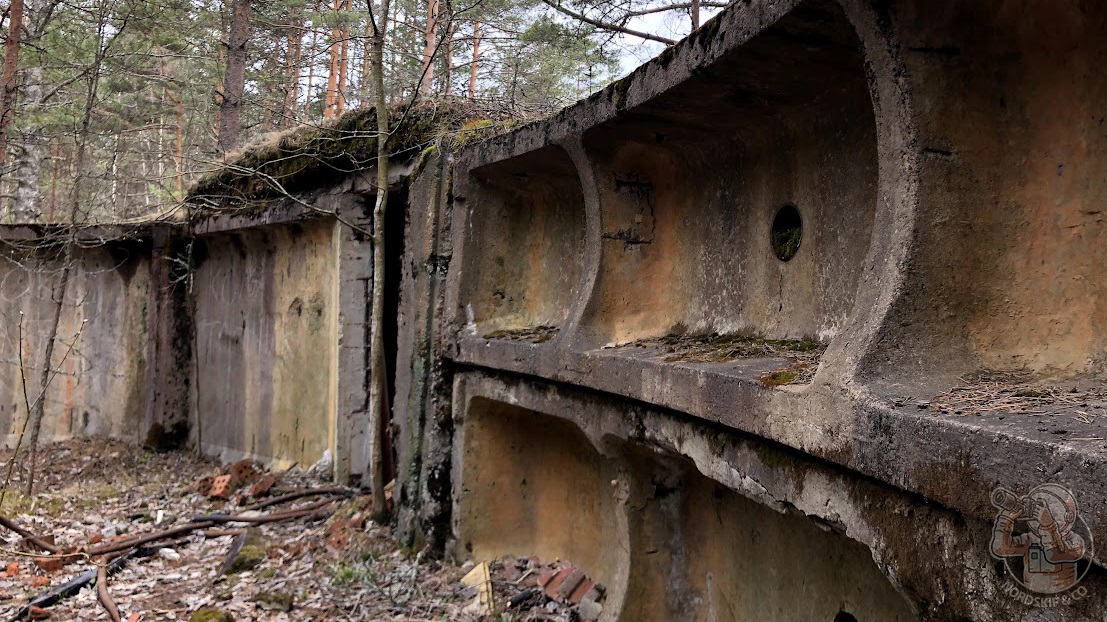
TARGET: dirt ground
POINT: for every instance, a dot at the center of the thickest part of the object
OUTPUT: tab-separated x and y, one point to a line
333	569
331	565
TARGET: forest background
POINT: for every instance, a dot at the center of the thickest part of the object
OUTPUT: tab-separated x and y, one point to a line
110	109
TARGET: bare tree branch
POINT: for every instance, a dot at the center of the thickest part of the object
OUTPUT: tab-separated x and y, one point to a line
606	26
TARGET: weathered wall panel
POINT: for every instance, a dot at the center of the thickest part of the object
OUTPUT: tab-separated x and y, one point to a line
265	314
101	352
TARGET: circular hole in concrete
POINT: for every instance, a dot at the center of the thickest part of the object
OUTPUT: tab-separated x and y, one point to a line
844	617
787	232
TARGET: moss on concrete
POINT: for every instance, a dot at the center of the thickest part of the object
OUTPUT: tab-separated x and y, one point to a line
537	334
317	156
720	348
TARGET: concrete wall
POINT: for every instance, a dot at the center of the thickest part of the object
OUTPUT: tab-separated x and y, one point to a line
947	162
245	335
102	350
280	301
266	314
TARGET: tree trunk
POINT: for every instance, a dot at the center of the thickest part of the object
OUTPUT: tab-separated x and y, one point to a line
426	82
377	376
10	77
230	110
343	64
331	95
695	14
26	208
38	408
476	59
448	57
292	69
309	89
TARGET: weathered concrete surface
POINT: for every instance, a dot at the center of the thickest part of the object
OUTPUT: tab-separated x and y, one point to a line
245	334
281	304
101	356
423	420
943	158
527	465
266	310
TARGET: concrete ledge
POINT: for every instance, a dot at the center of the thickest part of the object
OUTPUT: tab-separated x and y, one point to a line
953	579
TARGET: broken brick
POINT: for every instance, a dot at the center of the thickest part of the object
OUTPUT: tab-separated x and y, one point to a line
37	613
40	582
12	569
203	485
554	582
221	488
243	472
581	590
95	538
571	582
263	486
49	564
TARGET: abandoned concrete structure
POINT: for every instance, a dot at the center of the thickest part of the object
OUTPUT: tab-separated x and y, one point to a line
754	333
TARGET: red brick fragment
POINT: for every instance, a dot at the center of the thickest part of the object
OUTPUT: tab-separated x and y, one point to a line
49	564
203	485
12	569
40	582
263	486
95	538
221	488
581	590
571	582
554	583
38	613
243	472
545	577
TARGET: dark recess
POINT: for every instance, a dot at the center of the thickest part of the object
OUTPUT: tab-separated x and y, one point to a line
786	233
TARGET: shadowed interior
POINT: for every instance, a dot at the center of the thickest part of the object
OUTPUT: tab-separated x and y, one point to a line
702	552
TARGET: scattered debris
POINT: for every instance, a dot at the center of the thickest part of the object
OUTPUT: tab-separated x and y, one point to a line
536	334
526	589
1018	393
800	372
99	500
802	354
480	579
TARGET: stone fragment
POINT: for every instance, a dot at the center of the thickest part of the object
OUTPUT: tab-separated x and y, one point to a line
247	553
169	555
589	609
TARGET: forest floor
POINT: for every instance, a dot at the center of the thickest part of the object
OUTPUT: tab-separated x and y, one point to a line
332	564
